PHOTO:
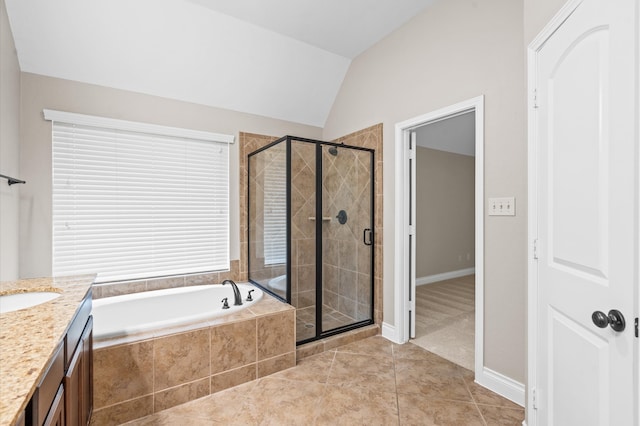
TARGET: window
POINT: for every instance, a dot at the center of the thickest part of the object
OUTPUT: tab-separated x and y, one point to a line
275	210
132	200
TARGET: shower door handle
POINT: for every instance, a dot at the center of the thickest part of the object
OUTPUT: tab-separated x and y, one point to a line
367	242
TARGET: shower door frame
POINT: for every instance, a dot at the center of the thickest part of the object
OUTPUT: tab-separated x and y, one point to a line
320	333
319	284
287	160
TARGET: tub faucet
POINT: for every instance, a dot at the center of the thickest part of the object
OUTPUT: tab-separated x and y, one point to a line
236	292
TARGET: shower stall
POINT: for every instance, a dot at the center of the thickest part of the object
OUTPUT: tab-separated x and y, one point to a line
310	232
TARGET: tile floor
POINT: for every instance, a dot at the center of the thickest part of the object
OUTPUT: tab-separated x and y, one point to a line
369	382
445	319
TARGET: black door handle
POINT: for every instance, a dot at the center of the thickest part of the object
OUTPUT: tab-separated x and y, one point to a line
615	319
364	237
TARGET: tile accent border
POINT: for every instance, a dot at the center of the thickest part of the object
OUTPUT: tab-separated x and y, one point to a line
138	286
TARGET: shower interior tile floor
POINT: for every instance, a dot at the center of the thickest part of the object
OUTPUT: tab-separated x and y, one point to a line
445	319
306	318
369	382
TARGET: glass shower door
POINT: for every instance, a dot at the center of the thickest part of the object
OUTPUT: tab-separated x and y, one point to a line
347	236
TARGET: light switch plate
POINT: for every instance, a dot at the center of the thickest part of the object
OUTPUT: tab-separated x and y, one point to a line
505	206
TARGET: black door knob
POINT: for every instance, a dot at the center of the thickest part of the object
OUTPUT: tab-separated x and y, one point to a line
600	319
615	319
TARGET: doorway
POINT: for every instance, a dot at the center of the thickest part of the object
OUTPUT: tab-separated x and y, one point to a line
405	243
445	238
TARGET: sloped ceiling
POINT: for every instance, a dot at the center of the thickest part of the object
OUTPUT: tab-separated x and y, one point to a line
277	58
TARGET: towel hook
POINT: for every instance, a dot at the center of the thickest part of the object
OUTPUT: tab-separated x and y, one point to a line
12	181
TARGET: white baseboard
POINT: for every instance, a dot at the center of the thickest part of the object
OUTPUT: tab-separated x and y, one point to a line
502	385
445	276
390	332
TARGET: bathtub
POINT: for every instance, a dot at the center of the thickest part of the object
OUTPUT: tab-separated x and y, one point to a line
147	312
278	283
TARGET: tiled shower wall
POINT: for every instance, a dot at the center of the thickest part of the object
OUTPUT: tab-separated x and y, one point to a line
303	230
371	138
346	186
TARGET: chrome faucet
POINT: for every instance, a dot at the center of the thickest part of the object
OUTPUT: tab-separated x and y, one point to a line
236	292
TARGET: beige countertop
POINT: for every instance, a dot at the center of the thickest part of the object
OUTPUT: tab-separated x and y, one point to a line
29	336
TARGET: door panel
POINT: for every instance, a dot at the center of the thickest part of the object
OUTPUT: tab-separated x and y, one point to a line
578	146
587	218
565	374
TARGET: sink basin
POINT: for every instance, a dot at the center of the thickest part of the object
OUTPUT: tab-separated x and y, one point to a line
13	302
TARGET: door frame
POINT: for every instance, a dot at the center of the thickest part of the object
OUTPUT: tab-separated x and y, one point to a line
532	231
402	209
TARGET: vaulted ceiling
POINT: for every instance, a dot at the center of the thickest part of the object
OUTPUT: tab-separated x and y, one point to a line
277	58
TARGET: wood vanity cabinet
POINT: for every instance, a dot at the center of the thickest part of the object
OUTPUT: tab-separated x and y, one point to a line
78	380
64	397
56	415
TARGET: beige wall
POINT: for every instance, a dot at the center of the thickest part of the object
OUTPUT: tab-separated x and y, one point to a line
39	92
456	50
445	215
9	149
536	15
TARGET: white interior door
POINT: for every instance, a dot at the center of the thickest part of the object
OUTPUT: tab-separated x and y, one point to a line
587	217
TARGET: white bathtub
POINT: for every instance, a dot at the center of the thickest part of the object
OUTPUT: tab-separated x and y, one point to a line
278	283
146	312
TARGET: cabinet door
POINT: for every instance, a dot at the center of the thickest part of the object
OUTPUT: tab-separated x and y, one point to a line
86	391
79	381
56	413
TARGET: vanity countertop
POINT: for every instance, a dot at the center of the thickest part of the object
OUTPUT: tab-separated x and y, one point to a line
29	336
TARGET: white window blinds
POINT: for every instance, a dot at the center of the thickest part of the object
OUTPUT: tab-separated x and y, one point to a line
130	204
275	212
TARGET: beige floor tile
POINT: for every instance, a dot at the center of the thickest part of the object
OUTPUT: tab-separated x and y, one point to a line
434	380
410	351
315	368
283	402
500	416
373	372
223	407
416	410
357	406
376	345
352	385
486	397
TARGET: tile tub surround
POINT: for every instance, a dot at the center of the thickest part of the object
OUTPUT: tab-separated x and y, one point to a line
137	379
29	336
372	381
137	286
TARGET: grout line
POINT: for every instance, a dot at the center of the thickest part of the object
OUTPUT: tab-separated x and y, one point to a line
395	379
473	398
